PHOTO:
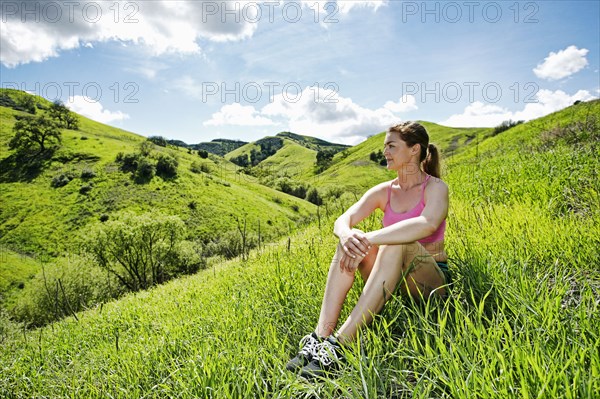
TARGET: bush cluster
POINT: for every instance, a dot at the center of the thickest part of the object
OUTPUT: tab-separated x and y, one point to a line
324	159
142	166
289	186
378	157
61	180
201	167
62	288
268	147
166	166
504	126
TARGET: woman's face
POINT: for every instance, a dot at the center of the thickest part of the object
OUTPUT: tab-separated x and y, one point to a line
397	153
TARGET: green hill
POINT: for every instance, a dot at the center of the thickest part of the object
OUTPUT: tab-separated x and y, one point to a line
267	148
522	320
219	147
40	219
352	170
313	143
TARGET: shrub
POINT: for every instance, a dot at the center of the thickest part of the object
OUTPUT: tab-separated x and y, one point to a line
241	160
129	162
158	140
166	166
200	167
8	327
378	157
146	148
7	101
139	250
61	180
145	170
103	217
88	173
291	187
324	158
62	288
187	258
504	126
314	197
86	188
229	244
203	154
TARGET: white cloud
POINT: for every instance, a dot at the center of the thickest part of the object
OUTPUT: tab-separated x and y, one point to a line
94	110
160	26
405	104
327	9
238	115
325	113
36	31
487	115
562	64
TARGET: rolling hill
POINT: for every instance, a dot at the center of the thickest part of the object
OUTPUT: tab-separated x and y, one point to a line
40	216
522	319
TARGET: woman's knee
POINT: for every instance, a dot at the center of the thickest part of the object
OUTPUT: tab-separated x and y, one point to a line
366	265
405	251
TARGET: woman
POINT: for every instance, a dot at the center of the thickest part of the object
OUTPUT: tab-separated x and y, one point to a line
409	249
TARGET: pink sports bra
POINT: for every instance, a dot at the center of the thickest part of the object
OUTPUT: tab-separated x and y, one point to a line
390	216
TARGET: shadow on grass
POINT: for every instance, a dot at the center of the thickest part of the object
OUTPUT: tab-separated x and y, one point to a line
24	166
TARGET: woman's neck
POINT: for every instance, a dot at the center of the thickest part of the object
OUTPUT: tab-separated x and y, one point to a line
410	178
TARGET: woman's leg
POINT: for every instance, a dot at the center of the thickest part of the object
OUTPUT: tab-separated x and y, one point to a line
422	277
339	283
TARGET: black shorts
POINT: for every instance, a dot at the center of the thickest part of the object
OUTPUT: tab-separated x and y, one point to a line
447	274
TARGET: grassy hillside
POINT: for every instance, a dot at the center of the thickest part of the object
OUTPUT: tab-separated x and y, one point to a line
522	320
295	158
292	160
352	170
313	143
219	147
37	219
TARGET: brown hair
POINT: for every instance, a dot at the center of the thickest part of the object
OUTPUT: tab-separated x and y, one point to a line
414	133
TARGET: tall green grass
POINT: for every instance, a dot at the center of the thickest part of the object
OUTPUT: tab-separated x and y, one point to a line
522	319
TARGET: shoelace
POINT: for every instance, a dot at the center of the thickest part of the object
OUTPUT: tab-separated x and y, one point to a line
326	353
309	345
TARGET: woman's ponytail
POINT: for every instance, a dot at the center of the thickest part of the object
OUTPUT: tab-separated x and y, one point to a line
431	164
414	133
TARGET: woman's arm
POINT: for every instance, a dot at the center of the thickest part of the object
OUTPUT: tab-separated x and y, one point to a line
410	230
353	241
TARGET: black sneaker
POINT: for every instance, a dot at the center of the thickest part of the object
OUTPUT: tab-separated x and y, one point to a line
310	345
327	359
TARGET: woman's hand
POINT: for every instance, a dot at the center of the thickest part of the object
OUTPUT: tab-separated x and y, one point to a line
349	264
354	248
355	245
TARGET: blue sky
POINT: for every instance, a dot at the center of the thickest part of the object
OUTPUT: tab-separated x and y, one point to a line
201	70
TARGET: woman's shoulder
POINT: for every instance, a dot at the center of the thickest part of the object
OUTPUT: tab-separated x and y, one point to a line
382	187
378	194
436	184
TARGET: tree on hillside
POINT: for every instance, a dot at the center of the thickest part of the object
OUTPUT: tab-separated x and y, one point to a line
141	250
63	116
314	197
241	160
31	132
324	158
158	140
203	154
27	104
